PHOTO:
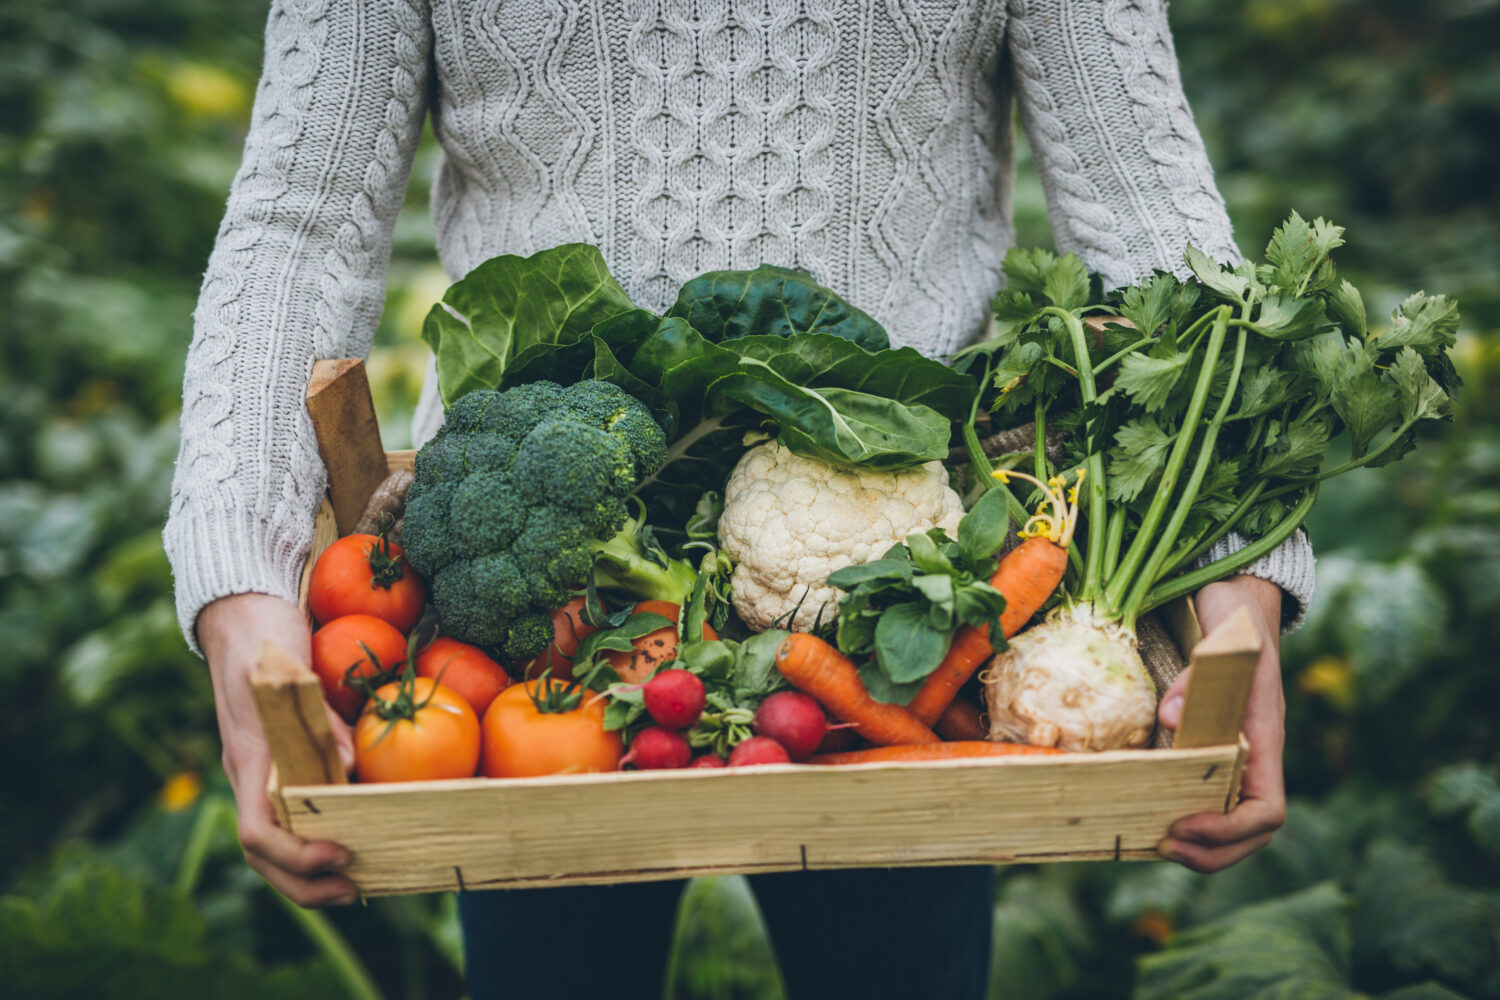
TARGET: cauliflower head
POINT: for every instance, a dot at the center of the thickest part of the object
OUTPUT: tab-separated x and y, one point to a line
789	521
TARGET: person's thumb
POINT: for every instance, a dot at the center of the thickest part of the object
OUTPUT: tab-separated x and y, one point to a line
343	736
1169	713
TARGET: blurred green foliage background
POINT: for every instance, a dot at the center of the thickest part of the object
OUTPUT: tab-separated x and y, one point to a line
120	127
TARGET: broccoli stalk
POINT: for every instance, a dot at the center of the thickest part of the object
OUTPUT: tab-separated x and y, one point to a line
633	561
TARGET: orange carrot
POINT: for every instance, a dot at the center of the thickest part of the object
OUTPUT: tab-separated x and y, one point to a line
1026	577
936	751
815	667
962	720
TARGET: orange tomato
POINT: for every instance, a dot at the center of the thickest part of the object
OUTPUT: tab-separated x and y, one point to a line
652	649
363	575
465	669
340	645
568	630
439	740
521	741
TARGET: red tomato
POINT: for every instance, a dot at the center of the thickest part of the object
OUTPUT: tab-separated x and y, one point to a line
338	647
654	648
364	575
439	740
465	669
568	630
521	741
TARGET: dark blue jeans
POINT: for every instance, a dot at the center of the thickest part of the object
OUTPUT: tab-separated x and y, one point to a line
906	933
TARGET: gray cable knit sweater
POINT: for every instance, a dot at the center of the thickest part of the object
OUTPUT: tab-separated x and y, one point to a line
868	142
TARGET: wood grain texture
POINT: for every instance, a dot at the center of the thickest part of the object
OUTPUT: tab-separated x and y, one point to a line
1222	665
481	833
343	417
325	533
290	702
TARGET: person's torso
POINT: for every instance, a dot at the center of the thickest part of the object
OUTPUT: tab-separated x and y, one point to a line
866	143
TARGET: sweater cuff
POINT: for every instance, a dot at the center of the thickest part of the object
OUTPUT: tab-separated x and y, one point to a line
220	549
1290	566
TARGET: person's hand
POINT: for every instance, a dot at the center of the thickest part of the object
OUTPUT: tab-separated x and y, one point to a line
230	631
1208	842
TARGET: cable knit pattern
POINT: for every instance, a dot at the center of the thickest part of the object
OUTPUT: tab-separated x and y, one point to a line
865	141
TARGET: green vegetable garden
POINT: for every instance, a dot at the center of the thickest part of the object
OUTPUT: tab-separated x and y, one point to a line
596	454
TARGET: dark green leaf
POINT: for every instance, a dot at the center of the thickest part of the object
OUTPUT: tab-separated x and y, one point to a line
1282	317
907	645
1149	380
1366	402
897	570
1263	389
1348	307
1013	306
1137	459
775	301
1149	304
883	690
982	531
1066	283
1427	322
1421	396
1298	452
926	556
1215	276
755	673
1298	252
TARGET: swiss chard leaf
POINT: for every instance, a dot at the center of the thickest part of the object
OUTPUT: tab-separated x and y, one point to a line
508	304
726	305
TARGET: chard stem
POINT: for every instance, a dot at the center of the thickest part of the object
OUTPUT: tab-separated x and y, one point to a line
1098	501
1163	547
1231	564
1145	537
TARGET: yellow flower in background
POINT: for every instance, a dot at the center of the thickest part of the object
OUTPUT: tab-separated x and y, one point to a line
1329	678
180	791
207	91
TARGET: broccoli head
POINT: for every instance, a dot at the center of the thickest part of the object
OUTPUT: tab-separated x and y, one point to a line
517	497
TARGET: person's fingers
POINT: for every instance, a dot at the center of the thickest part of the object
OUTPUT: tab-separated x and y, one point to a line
1251	818
1203	859
327	890
1169	712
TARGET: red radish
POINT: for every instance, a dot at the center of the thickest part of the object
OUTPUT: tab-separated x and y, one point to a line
839	738
793	719
708	760
655	748
759	750
674	698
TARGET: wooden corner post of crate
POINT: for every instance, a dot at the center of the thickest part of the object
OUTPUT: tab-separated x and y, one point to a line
1213	709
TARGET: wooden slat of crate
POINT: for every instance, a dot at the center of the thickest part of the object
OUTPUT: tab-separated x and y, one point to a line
589	829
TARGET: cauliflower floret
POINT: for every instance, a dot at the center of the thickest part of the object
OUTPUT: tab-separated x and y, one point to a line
789	521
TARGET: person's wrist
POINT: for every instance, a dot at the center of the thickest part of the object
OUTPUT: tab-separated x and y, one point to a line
231	629
1216	602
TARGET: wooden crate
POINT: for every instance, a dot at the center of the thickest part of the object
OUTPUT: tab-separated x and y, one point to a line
481	833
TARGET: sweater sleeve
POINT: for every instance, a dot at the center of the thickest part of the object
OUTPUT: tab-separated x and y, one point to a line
1127	179
297	274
